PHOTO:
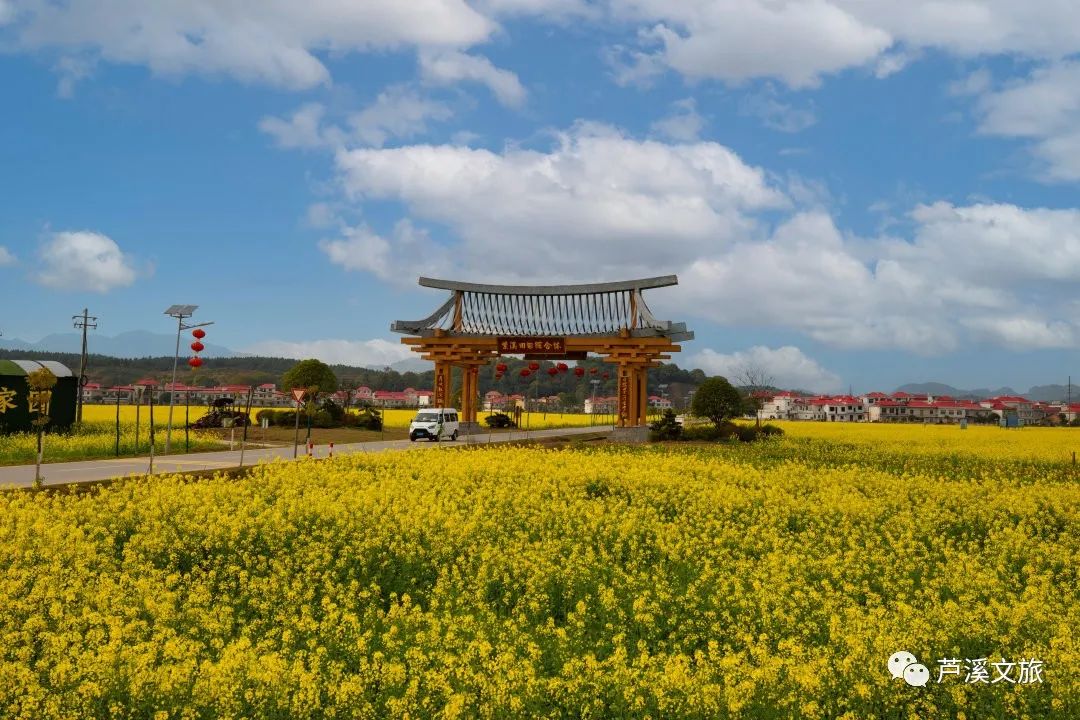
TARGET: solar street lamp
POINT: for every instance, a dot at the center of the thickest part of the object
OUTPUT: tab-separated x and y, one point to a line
181	313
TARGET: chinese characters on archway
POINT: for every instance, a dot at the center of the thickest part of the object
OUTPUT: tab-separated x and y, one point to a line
532	345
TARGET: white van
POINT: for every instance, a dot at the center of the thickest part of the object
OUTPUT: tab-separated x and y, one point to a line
434	424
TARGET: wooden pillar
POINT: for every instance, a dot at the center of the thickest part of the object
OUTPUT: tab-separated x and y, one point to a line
643	395
468	393
443	379
627	391
474	392
463	407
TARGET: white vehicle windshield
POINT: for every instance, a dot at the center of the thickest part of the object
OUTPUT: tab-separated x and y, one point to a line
427	417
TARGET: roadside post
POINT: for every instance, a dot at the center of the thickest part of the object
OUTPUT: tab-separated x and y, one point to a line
247	422
298	396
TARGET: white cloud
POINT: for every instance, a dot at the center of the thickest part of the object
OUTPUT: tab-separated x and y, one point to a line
595	191
398	112
975	83
1019	332
892	63
72	69
684	124
276	43
601	205
84	261
734	41
799	41
361	249
967	273
1045	109
303	129
452	66
375	353
321	215
6	258
549	9
773	113
788	366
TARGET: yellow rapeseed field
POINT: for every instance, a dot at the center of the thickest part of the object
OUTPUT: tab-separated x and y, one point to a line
107	413
771	580
400	417
98	440
987	442
394	417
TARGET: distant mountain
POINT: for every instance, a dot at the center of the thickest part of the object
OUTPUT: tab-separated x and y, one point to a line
931	388
412	364
134	344
1042	393
1052	393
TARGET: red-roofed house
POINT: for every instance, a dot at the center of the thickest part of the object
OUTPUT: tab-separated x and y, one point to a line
778	406
1005	404
932	412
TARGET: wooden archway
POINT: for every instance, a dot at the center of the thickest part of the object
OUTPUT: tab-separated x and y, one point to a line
556	322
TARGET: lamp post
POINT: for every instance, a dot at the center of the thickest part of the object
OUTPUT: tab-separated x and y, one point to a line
180	312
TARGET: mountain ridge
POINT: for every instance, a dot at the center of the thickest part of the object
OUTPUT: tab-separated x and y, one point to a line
1039	393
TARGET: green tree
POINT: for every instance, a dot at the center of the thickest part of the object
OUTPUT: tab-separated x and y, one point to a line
718	400
315	376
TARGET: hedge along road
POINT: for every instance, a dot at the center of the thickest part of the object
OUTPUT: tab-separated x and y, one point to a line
21	476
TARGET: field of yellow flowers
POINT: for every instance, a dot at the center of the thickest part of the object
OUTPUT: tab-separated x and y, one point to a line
394	417
771	580
97	440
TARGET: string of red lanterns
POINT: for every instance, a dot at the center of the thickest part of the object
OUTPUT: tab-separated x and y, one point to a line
197	347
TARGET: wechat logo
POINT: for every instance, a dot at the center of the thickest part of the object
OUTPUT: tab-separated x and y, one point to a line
905	665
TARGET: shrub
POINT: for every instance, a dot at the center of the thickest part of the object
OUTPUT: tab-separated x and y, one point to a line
770	430
335	411
500	420
746	433
369	419
666	428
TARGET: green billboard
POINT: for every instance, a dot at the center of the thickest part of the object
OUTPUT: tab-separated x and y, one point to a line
15	415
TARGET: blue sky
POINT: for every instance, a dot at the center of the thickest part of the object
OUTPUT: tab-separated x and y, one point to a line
852	193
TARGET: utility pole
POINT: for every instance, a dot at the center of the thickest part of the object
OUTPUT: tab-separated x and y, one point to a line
83	322
181	313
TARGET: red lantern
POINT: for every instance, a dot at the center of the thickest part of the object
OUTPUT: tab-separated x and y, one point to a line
592	371
195	362
197	346
501	367
553	371
606	376
563	367
579	371
198	333
534	366
525	372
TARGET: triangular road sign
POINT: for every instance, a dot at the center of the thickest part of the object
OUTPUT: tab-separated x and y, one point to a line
298	394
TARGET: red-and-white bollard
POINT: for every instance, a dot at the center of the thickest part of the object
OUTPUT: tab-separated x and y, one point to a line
331	449
310	447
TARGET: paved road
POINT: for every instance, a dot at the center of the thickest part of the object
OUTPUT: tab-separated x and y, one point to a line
91	470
